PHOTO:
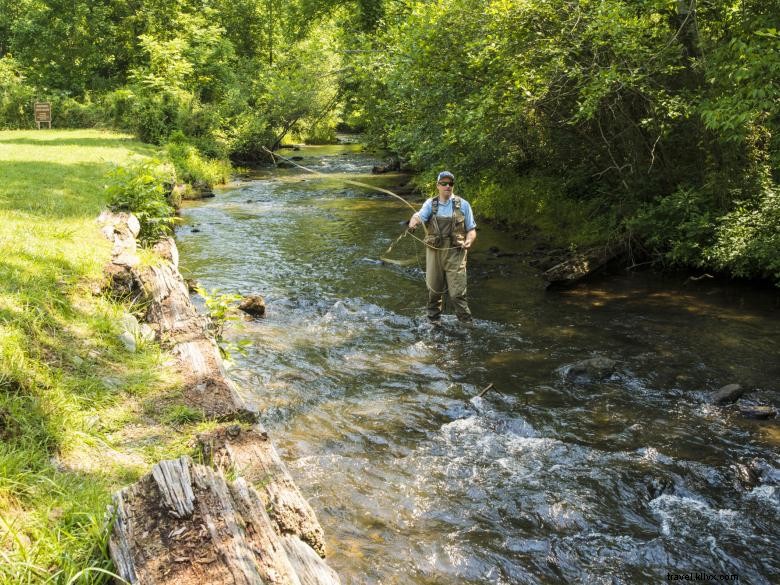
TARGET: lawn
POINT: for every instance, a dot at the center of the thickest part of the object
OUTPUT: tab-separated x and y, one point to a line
79	414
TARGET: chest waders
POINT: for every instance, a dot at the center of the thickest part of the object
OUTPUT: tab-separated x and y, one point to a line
445	261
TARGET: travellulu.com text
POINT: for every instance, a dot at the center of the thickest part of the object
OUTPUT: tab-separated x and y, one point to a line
701	576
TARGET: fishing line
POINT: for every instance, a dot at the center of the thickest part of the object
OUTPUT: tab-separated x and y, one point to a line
407	232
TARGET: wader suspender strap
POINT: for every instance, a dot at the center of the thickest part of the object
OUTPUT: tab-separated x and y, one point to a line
435	209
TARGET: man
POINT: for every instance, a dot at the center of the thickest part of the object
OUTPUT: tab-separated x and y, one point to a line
451	232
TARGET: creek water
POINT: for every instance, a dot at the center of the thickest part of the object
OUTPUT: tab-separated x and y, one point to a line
548	479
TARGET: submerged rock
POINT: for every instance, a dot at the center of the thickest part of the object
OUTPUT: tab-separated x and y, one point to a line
253	305
590	369
745	476
759	411
727	394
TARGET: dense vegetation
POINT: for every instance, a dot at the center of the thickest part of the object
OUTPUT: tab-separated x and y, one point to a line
652	124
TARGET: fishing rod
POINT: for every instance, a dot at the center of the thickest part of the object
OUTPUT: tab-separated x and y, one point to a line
408	231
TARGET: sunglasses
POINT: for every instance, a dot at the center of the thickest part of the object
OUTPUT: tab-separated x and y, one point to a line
446	183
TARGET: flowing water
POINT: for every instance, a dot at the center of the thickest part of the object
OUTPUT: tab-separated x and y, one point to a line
549	478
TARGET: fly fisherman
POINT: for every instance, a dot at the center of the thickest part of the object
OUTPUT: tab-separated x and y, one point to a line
451	232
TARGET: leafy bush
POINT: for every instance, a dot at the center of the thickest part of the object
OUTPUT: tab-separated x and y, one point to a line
141	189
194	168
70	113
16	97
683	229
154	116
747	240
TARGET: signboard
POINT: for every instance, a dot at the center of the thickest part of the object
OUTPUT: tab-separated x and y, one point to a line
42	113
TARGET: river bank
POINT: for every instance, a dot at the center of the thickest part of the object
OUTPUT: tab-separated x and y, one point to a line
89	403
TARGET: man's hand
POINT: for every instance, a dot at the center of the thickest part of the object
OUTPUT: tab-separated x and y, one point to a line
414	222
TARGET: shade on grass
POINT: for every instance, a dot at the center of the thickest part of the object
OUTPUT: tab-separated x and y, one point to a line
61	367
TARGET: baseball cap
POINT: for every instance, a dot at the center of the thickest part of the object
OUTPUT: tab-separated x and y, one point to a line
445	174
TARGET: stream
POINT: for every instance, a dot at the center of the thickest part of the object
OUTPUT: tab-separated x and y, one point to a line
549	478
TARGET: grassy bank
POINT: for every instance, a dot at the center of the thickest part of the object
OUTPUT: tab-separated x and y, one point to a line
80	416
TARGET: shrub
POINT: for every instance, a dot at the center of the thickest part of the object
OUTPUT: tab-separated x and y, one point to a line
141	189
16	97
69	113
194	168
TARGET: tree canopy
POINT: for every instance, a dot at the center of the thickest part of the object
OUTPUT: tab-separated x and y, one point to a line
654	123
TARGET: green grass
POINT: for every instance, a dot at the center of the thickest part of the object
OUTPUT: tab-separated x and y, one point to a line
73	422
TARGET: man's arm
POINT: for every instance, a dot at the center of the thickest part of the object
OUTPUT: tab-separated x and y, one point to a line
471	235
421	216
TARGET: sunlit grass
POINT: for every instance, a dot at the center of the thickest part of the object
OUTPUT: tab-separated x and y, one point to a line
73	427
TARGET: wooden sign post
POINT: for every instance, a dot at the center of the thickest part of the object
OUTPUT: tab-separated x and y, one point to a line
43	114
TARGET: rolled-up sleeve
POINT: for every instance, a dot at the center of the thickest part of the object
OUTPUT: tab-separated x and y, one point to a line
425	211
468	216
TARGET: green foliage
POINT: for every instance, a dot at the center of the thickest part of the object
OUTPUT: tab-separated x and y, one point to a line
194	168
655	120
222	311
182	414
141	189
16	97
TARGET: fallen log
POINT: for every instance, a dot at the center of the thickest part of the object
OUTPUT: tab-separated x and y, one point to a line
580	265
249	452
179	325
184	523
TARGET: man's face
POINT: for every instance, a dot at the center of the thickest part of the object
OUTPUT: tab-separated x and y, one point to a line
445	186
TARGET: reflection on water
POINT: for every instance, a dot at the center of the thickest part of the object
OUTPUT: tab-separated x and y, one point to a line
618	480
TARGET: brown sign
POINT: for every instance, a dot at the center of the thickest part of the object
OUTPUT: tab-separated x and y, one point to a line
42	112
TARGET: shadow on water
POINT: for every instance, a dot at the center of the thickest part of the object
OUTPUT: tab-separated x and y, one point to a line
618	478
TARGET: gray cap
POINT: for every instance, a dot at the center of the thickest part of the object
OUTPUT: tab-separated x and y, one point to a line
445	174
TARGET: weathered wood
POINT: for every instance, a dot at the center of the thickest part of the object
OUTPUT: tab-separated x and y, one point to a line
226	537
184	523
180	326
579	265
309	567
249	452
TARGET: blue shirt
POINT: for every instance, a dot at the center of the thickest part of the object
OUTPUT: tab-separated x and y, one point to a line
445	210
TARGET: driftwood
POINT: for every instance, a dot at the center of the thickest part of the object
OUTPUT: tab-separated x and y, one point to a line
185	523
250	453
580	265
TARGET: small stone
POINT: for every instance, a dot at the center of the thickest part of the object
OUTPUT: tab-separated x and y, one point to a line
254	305
129	323
77	361
133	225
128	340
146	333
727	394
